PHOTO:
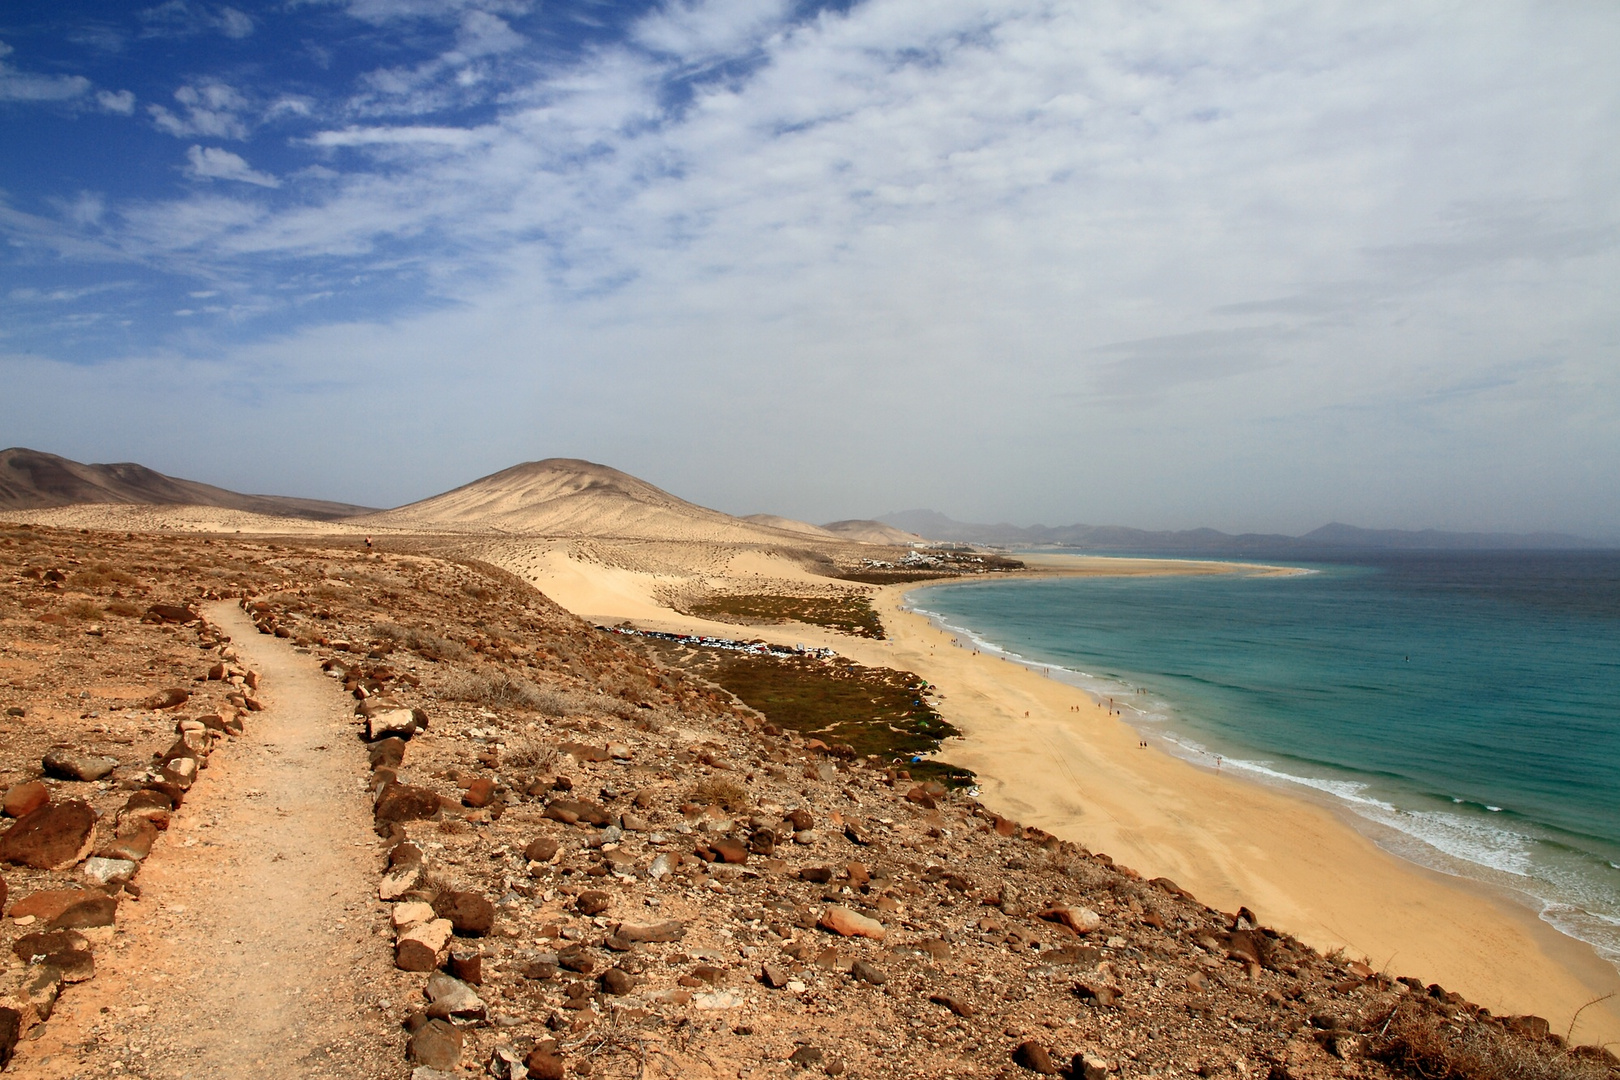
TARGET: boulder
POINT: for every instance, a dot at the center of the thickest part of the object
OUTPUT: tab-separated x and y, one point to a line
71	765
133	842
574	811
955	1004
171	698
841	920
395	724
11	1030
105	871
403	802
729	850
96	909
387	753
592	902
424	947
450	998
541	849
544	1063
467	965
53	837
40	944
617	981
1035	1057
659	932
1081	920
470	914
25	798
180	771
411	913
479	794
402	879
436	1045
868	973
170	613
71	965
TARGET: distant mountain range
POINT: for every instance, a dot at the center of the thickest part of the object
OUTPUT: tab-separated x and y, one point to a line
32	480
1334	537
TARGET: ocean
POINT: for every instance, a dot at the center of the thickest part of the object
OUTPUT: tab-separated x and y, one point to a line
1463	708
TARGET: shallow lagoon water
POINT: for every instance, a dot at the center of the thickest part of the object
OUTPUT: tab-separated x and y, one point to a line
1464	706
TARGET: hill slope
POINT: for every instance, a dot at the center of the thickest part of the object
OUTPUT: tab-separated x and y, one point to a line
570	497
871	532
33	480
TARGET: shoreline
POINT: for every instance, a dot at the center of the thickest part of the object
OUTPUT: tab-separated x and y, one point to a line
1046	754
1233	840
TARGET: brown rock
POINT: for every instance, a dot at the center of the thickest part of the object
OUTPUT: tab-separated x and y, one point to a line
133	842
583	752
172	698
479	794
801	820
1099	994
470	914
404	802
72	965
25	798
573	811
394	724
436	1044
544	1063
468	966
69	765
38	944
1034	1057
1081	920
868	973
11	1031
672	930
541	849
386	753
618	981
170	613
423	948
96	909
729	850
954	1004
841	920
592	902
820	875
53	837
775	976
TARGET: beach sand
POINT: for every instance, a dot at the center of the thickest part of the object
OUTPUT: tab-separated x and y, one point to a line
1047	755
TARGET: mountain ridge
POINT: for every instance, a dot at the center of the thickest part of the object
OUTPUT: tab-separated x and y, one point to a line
35	480
1333	536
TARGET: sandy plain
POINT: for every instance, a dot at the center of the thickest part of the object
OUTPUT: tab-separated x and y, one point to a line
1048	755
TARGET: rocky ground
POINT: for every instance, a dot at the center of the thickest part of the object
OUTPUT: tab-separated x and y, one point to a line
575	861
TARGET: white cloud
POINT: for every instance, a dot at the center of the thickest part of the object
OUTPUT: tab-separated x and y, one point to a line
1164	250
212	163
211	109
121	101
23	86
182	18
483	34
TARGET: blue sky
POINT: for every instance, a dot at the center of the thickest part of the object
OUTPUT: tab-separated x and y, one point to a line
1249	265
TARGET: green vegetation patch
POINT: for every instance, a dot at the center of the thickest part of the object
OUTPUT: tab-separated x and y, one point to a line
847	614
873	710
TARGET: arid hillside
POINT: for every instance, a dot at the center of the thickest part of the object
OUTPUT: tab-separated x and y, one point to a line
548	852
31	480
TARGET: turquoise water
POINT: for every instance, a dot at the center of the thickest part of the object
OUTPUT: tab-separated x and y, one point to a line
1465	708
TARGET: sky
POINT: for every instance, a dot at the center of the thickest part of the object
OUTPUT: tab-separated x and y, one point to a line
1249	265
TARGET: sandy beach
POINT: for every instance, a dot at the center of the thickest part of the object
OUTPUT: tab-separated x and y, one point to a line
1047	755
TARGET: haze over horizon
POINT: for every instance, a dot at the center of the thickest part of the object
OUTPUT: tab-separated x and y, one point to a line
1256	269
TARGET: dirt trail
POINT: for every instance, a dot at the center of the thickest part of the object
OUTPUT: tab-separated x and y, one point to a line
250	952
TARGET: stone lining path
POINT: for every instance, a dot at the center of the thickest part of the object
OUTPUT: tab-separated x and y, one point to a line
250	952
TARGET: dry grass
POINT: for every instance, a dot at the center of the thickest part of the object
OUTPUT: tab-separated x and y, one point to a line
722	792
527	751
429	645
1423	1045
